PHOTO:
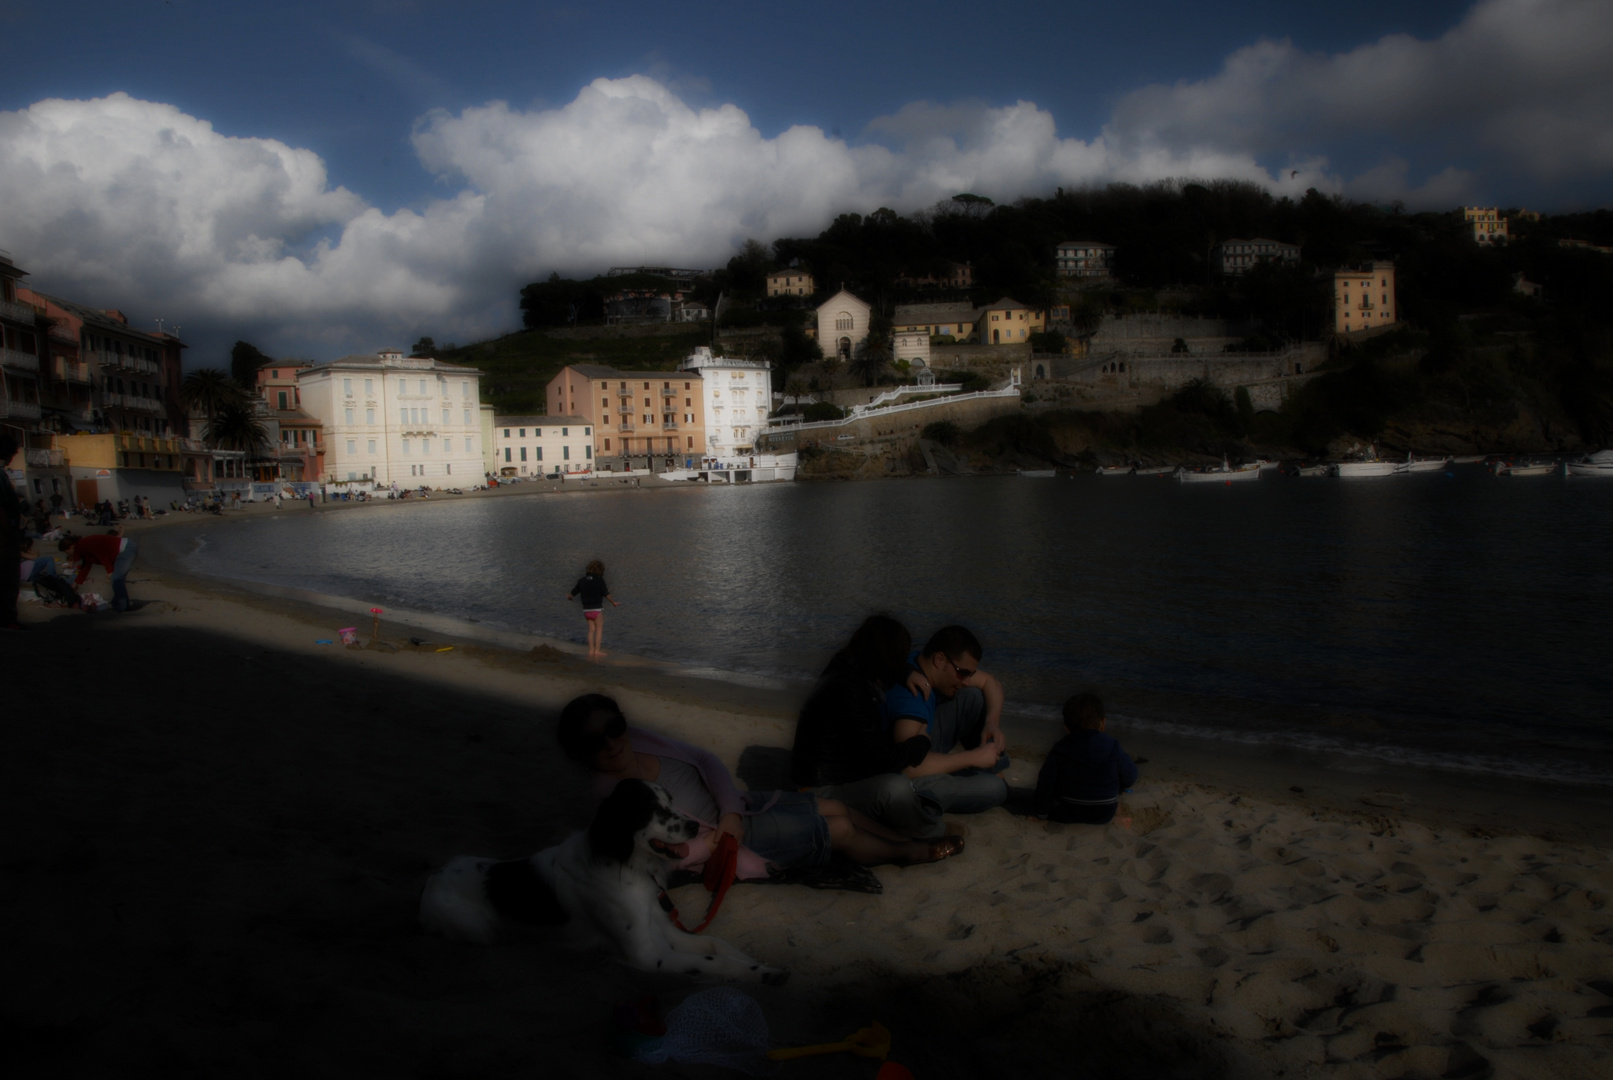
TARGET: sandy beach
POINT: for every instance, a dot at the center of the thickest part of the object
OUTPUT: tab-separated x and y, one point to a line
223	827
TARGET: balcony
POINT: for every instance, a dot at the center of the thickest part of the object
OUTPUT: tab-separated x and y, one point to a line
1365	305
625	410
669	425
131	401
626	425
17	360
21	410
43	459
669	391
23	313
64	370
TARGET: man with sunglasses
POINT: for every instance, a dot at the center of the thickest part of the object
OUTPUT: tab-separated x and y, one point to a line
962	718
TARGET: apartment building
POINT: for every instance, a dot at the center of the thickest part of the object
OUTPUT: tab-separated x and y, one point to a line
1008	322
20	335
1486	224
395	419
633	413
299	446
1363	297
737	395
542	445
1235	257
790	283
957	321
1084	259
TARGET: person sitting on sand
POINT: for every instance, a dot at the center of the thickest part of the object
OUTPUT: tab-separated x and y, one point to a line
784	829
843	750
962	715
594	593
1085	772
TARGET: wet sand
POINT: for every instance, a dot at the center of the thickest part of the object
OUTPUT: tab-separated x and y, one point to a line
221	828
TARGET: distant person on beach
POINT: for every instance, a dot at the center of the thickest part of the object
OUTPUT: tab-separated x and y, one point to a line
594	592
784	829
1085	772
115	554
10	538
843	748
962	715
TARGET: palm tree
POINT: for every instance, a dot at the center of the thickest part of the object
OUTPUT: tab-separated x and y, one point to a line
236	427
208	391
873	355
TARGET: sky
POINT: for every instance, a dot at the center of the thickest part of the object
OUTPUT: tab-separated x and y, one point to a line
328	178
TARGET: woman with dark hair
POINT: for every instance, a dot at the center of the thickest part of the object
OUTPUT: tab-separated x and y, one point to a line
785	829
843	745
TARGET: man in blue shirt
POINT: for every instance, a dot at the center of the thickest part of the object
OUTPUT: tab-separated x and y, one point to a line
961	716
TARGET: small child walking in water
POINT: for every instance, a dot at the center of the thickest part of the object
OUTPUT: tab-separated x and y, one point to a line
594	593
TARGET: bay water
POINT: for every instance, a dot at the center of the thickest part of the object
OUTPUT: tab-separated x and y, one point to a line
1454	623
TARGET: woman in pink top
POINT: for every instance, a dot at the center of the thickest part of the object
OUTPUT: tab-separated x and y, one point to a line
786	829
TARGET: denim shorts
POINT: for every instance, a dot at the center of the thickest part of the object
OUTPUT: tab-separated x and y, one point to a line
790	833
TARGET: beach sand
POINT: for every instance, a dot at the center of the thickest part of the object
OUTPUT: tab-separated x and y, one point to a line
219	831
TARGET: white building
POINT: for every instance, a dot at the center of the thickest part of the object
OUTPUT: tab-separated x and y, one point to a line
737	396
1487	224
1235	257
1084	259
396	419
842	324
541	445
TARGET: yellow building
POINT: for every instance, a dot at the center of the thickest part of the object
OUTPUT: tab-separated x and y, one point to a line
1009	322
1363	297
956	321
1486	223
790	283
123	466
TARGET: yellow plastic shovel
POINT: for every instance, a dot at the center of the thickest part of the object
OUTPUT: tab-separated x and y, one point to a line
871	1042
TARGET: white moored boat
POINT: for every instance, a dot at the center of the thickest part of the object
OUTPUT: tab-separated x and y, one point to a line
1225	473
1467	459
1416	465
1038	474
1597	464
1525	468
1311	470
1367	465
1114	470
1153	470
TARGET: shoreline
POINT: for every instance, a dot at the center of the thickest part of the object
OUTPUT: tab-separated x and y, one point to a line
1343	779
239	819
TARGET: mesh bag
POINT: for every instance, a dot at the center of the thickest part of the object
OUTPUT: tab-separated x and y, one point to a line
720	1026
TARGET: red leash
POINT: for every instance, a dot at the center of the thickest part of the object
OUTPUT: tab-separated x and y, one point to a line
721	867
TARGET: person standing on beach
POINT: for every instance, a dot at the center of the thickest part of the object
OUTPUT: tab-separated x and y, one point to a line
10	538
115	554
594	592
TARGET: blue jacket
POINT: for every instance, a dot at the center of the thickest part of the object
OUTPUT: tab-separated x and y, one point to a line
1086	768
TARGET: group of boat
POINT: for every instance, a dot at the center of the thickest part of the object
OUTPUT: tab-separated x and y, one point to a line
752	469
1366	465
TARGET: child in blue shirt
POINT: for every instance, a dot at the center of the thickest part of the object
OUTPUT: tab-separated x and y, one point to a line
1085	772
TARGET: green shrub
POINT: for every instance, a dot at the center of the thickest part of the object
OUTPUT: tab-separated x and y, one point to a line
944	432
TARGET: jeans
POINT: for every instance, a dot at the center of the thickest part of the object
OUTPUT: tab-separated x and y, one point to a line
120	571
915	807
962	722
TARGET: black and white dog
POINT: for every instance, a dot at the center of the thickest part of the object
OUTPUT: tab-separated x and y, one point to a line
607	879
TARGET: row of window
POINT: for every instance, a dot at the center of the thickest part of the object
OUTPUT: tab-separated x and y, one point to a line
403	387
537	433
406	416
425	446
565	452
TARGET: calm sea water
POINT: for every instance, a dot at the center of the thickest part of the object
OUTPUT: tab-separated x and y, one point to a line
1455	622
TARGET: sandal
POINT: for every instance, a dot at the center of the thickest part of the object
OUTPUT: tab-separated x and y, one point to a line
946	847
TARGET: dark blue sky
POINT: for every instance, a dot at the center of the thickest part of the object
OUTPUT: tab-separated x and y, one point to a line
325	177
348	80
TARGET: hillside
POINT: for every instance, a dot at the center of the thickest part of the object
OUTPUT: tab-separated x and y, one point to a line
520	365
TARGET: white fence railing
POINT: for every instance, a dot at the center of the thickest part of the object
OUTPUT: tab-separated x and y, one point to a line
782	425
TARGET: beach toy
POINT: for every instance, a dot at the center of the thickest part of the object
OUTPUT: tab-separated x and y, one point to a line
323	641
872	1041
446	648
348	634
375	626
721	1026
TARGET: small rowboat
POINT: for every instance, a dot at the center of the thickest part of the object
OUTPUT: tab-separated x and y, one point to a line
1527	468
1225	473
1154	470
1114	470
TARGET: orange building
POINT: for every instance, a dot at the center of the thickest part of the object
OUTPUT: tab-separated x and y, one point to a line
633	413
300	444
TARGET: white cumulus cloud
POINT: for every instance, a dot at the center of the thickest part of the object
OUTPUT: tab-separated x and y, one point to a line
138	205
